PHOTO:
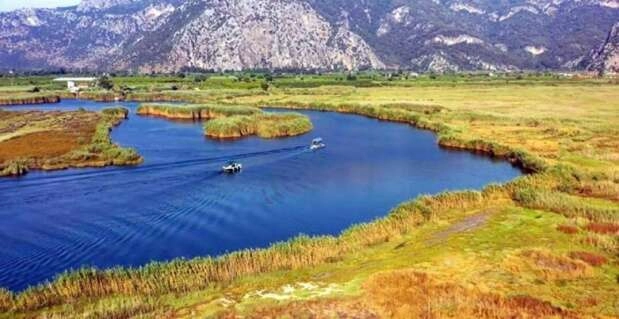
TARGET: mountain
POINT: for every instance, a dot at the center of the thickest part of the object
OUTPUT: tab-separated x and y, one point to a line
423	35
605	59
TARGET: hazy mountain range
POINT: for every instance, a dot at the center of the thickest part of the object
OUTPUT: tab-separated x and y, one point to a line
422	35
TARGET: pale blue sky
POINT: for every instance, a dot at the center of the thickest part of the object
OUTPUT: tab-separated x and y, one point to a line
8	5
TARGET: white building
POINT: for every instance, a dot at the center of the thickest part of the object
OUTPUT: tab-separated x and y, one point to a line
76	84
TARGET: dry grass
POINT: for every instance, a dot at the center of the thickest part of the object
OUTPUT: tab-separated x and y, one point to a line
603	228
588	257
22	98
567	229
411	294
547	265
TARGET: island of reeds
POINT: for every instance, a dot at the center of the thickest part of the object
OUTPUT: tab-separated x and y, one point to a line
58	140
544	245
233	121
265	125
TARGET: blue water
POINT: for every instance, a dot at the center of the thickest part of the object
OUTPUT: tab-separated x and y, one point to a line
177	204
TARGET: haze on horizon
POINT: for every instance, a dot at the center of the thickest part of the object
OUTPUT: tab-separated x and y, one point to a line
10	5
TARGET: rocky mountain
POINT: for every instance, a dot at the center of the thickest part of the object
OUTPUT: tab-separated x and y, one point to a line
605	59
423	35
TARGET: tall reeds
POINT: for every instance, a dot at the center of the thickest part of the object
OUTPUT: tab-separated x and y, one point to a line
28	98
265	125
565	204
195	111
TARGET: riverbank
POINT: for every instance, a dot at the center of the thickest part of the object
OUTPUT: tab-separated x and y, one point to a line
23	99
35	140
546	237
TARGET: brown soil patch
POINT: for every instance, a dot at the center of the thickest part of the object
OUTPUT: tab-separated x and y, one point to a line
56	134
41	145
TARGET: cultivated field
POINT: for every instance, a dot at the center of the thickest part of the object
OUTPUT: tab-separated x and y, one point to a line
543	245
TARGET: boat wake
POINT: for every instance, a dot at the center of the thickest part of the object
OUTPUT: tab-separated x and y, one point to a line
116	170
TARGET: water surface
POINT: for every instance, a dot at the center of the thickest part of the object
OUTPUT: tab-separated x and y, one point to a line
178	204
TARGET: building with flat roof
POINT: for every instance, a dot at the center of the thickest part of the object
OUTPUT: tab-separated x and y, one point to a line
74	85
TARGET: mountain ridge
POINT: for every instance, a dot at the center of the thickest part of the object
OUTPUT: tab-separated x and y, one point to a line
421	35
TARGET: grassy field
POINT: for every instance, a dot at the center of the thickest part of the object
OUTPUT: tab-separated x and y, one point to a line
543	245
57	140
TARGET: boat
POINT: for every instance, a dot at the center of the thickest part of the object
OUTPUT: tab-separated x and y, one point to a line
232	167
317	144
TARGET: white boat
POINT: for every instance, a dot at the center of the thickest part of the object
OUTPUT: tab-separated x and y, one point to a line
317	144
232	167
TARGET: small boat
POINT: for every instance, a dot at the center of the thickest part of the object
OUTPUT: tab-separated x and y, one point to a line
232	167
317	144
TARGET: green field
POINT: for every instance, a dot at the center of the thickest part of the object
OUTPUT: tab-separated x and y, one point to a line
543	245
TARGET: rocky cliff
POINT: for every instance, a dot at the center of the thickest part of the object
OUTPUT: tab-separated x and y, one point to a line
605	58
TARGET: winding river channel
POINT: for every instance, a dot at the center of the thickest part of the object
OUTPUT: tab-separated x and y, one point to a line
178	204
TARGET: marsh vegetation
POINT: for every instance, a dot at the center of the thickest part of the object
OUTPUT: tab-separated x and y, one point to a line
57	140
233	121
549	236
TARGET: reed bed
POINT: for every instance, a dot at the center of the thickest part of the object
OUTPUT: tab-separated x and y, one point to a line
16	167
101	150
28	98
195	111
116	112
265	125
565	204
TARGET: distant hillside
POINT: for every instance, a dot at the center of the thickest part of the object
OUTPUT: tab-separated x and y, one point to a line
423	35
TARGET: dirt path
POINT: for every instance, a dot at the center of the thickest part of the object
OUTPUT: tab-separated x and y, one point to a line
467	224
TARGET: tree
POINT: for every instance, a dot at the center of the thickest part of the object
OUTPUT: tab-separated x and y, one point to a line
105	83
265	86
199	78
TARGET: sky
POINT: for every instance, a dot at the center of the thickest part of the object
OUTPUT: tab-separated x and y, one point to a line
8	5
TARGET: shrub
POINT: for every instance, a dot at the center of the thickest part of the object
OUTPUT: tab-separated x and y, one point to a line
603	228
567	229
590	258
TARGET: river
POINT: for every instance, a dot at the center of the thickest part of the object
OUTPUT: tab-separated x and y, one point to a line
178	204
